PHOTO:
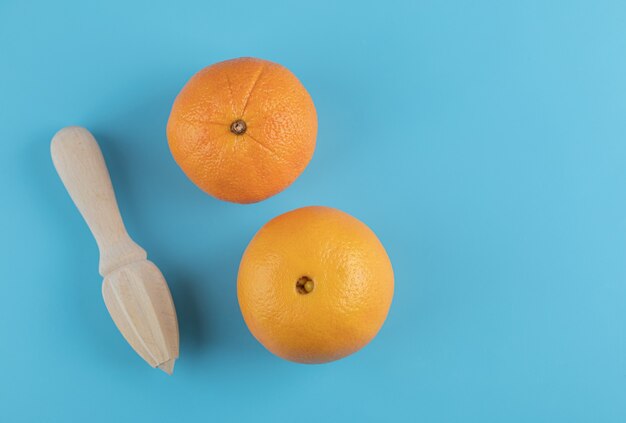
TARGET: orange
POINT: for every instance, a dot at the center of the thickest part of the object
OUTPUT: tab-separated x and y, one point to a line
243	130
315	285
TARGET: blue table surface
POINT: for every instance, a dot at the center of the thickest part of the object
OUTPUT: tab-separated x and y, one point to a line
484	142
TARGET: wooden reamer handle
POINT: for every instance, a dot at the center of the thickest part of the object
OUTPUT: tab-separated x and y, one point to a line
80	164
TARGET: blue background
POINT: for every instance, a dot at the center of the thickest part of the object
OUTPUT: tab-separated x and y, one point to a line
484	142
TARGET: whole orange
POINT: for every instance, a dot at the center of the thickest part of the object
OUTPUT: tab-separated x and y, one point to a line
315	285
243	130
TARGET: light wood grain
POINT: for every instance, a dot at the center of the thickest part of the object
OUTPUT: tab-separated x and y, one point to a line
134	289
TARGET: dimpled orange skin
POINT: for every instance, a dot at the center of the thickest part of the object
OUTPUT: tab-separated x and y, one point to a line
278	140
352	285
